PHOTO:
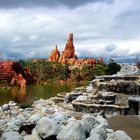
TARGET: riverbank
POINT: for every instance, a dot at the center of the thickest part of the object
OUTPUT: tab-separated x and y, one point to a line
50	119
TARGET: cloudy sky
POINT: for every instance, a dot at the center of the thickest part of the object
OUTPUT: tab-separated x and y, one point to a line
31	28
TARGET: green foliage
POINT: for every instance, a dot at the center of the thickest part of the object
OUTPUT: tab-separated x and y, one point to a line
44	70
112	68
75	74
63	72
99	70
87	72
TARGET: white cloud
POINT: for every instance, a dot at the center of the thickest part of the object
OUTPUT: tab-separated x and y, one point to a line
16	39
33	37
100	29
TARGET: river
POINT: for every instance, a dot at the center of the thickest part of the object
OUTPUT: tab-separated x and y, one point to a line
35	92
130	124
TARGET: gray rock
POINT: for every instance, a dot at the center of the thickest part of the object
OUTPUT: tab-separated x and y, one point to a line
100	119
103	125
23	134
97	134
5	107
66	100
109	130
81	98
72	131
2	122
34	118
89	88
28	109
11	135
19	121
118	135
71	119
46	127
34	136
87	122
12	103
59	118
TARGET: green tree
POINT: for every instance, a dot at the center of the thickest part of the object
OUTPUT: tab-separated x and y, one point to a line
64	72
112	68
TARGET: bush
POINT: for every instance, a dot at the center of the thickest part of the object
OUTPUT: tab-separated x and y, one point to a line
112	68
99	69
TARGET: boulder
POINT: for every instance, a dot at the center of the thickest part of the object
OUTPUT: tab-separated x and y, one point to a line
12	103
118	135
46	128
87	122
98	134
11	135
34	118
34	136
95	136
72	131
60	118
5	107
100	119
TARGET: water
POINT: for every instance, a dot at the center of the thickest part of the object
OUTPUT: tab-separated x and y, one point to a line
130	124
35	92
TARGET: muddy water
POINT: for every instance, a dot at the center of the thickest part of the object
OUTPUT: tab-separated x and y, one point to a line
130	124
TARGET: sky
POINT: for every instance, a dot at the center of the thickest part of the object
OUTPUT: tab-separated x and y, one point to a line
32	28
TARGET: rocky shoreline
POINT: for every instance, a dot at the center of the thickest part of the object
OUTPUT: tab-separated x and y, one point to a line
48	120
78	115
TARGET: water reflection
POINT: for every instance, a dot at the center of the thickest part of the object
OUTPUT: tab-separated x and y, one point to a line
19	94
35	92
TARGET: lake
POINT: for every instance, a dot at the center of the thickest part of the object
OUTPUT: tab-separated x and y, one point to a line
35	92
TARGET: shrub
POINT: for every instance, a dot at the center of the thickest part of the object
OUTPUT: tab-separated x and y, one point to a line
112	68
99	69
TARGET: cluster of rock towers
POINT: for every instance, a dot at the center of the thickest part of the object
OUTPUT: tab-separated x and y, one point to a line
68	55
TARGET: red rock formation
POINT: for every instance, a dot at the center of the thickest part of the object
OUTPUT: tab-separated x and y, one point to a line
87	61
54	56
68	55
10	70
69	52
6	69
